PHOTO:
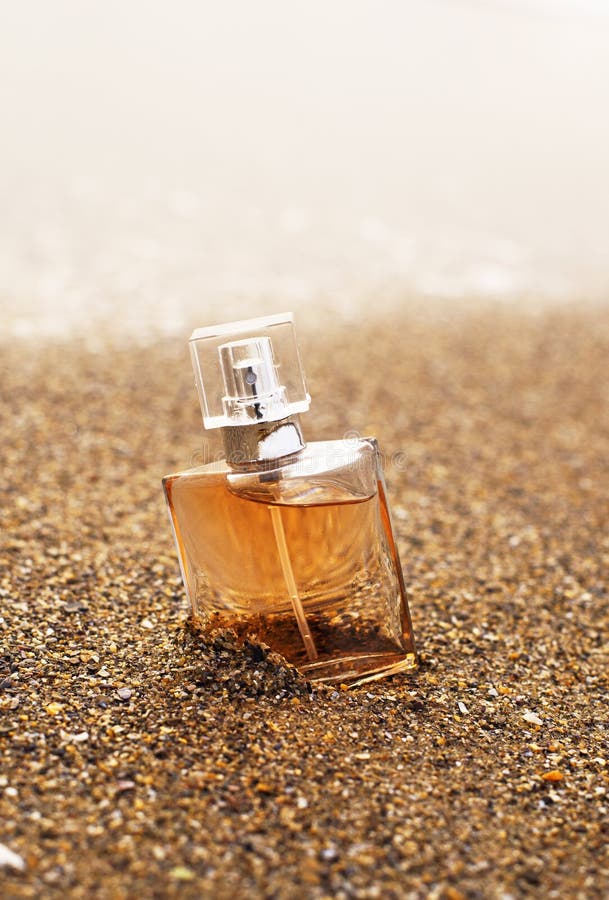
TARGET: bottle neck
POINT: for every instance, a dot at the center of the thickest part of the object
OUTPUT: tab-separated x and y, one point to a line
262	443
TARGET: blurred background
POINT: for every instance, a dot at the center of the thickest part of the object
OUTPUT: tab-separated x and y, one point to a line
169	164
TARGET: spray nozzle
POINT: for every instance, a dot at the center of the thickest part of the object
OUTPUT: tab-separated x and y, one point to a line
251	381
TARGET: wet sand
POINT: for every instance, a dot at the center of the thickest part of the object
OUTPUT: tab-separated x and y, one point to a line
139	760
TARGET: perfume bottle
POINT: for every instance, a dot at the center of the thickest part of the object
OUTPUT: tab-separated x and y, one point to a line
281	540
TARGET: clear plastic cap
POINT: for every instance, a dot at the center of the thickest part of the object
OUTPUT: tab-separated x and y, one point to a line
248	371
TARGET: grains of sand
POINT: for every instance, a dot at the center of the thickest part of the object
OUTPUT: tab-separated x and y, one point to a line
141	759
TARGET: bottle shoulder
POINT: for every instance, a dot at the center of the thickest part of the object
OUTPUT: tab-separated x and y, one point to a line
323	472
216	468
316	456
327	456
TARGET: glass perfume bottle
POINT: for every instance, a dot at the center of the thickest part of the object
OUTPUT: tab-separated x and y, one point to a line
289	542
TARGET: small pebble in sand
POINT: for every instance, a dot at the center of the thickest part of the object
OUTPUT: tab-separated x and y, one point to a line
11	859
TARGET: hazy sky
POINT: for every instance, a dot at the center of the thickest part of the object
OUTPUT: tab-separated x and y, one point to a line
448	146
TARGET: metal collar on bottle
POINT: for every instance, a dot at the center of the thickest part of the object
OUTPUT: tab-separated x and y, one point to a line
262	442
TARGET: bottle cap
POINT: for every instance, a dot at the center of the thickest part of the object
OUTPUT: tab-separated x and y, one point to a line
249	371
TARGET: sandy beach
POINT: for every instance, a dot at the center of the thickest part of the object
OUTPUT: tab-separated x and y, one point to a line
139	760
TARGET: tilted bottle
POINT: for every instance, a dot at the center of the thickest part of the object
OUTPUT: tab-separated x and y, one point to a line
282	540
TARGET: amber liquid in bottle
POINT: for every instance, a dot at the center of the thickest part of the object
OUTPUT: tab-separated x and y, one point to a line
308	566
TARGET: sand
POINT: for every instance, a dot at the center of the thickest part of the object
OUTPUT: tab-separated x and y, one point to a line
139	760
